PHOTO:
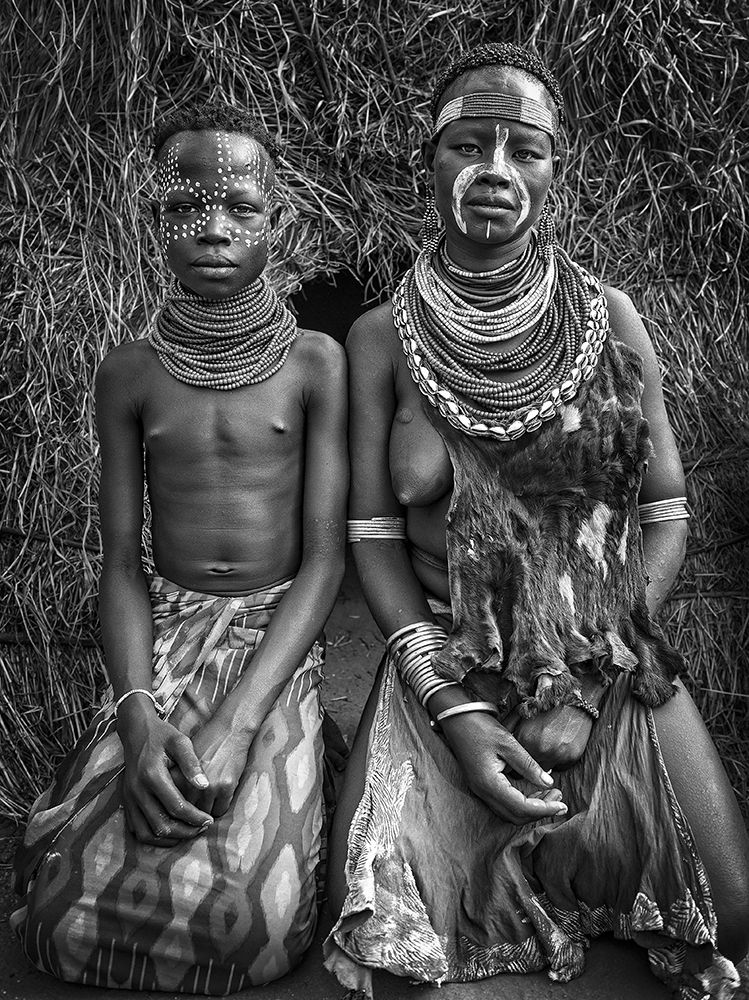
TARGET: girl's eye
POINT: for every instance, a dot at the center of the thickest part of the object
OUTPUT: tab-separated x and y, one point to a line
244	210
181	209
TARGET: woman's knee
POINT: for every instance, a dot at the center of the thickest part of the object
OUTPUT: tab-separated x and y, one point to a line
731	904
707	800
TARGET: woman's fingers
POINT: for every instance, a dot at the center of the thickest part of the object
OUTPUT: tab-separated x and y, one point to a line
520	761
511	804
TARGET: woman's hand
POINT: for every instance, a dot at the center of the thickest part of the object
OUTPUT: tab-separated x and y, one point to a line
558	737
156	810
485	749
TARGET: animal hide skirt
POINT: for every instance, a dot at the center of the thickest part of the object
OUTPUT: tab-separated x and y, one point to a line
440	889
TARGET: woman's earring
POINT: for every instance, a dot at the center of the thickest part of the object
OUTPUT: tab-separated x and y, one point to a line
431	229
545	234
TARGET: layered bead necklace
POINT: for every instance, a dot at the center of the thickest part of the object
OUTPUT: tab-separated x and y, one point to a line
447	317
223	343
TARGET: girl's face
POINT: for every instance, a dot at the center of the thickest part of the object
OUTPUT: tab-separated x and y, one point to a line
214	197
490	176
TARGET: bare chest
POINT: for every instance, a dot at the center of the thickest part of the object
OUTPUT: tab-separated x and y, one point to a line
186	423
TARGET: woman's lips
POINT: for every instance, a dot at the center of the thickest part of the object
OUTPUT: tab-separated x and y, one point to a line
491	209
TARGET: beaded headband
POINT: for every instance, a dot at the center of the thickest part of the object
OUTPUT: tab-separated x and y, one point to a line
517	109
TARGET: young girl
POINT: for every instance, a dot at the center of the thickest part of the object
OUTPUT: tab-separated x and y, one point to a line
177	848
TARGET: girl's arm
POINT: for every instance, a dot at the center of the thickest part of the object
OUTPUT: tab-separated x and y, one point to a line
156	812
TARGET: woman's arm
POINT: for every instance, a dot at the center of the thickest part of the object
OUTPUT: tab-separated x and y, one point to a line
664	542
224	743
155	810
393	592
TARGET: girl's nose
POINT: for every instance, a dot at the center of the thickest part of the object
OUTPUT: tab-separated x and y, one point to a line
214	228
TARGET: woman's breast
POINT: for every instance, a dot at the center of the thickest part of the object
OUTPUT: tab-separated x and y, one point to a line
420	468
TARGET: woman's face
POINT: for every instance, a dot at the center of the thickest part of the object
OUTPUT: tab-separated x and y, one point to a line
490	175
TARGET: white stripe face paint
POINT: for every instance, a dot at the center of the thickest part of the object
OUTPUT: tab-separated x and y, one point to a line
505	168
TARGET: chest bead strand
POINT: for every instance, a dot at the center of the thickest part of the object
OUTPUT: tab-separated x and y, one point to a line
448	319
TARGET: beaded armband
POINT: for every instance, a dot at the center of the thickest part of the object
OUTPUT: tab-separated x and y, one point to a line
411	649
376	527
675	509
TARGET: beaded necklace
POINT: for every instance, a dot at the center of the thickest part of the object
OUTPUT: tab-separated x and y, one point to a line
223	343
444	316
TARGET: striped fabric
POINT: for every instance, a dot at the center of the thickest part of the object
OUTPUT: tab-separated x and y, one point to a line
233	907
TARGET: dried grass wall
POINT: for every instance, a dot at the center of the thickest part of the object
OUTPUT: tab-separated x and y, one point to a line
652	198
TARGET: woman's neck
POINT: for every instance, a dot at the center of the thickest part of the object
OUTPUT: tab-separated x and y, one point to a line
470	256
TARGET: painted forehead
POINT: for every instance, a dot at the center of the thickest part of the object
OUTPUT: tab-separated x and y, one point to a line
211	164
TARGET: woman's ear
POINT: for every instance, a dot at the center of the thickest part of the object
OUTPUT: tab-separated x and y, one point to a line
428	151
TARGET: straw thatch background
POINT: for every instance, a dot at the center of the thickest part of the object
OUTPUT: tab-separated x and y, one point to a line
651	197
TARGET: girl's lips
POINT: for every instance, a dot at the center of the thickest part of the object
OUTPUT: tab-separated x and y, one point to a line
214	270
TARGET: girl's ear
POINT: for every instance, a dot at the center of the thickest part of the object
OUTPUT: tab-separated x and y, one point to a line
274	216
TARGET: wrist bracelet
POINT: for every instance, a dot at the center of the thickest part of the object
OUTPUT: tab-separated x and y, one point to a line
471	706
149	694
411	648
586	706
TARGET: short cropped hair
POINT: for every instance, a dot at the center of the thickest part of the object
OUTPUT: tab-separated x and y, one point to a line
499	54
214	116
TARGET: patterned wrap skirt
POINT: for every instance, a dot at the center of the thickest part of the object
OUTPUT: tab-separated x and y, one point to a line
236	906
440	889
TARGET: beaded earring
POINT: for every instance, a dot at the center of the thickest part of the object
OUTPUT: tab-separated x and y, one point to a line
431	229
546	235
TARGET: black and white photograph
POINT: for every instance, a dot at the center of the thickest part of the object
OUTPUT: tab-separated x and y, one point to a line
374	500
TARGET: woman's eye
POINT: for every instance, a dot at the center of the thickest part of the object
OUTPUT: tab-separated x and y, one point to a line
469	148
526	154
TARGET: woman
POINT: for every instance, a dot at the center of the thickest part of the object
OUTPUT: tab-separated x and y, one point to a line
506	394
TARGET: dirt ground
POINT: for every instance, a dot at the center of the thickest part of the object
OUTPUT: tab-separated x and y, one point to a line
615	971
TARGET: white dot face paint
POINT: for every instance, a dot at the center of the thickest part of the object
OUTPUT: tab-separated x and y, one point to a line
500	165
214	191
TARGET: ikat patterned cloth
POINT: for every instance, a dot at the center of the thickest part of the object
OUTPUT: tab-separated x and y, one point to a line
233	907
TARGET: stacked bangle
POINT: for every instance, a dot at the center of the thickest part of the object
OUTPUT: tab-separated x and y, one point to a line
411	649
376	527
674	509
469	706
149	694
